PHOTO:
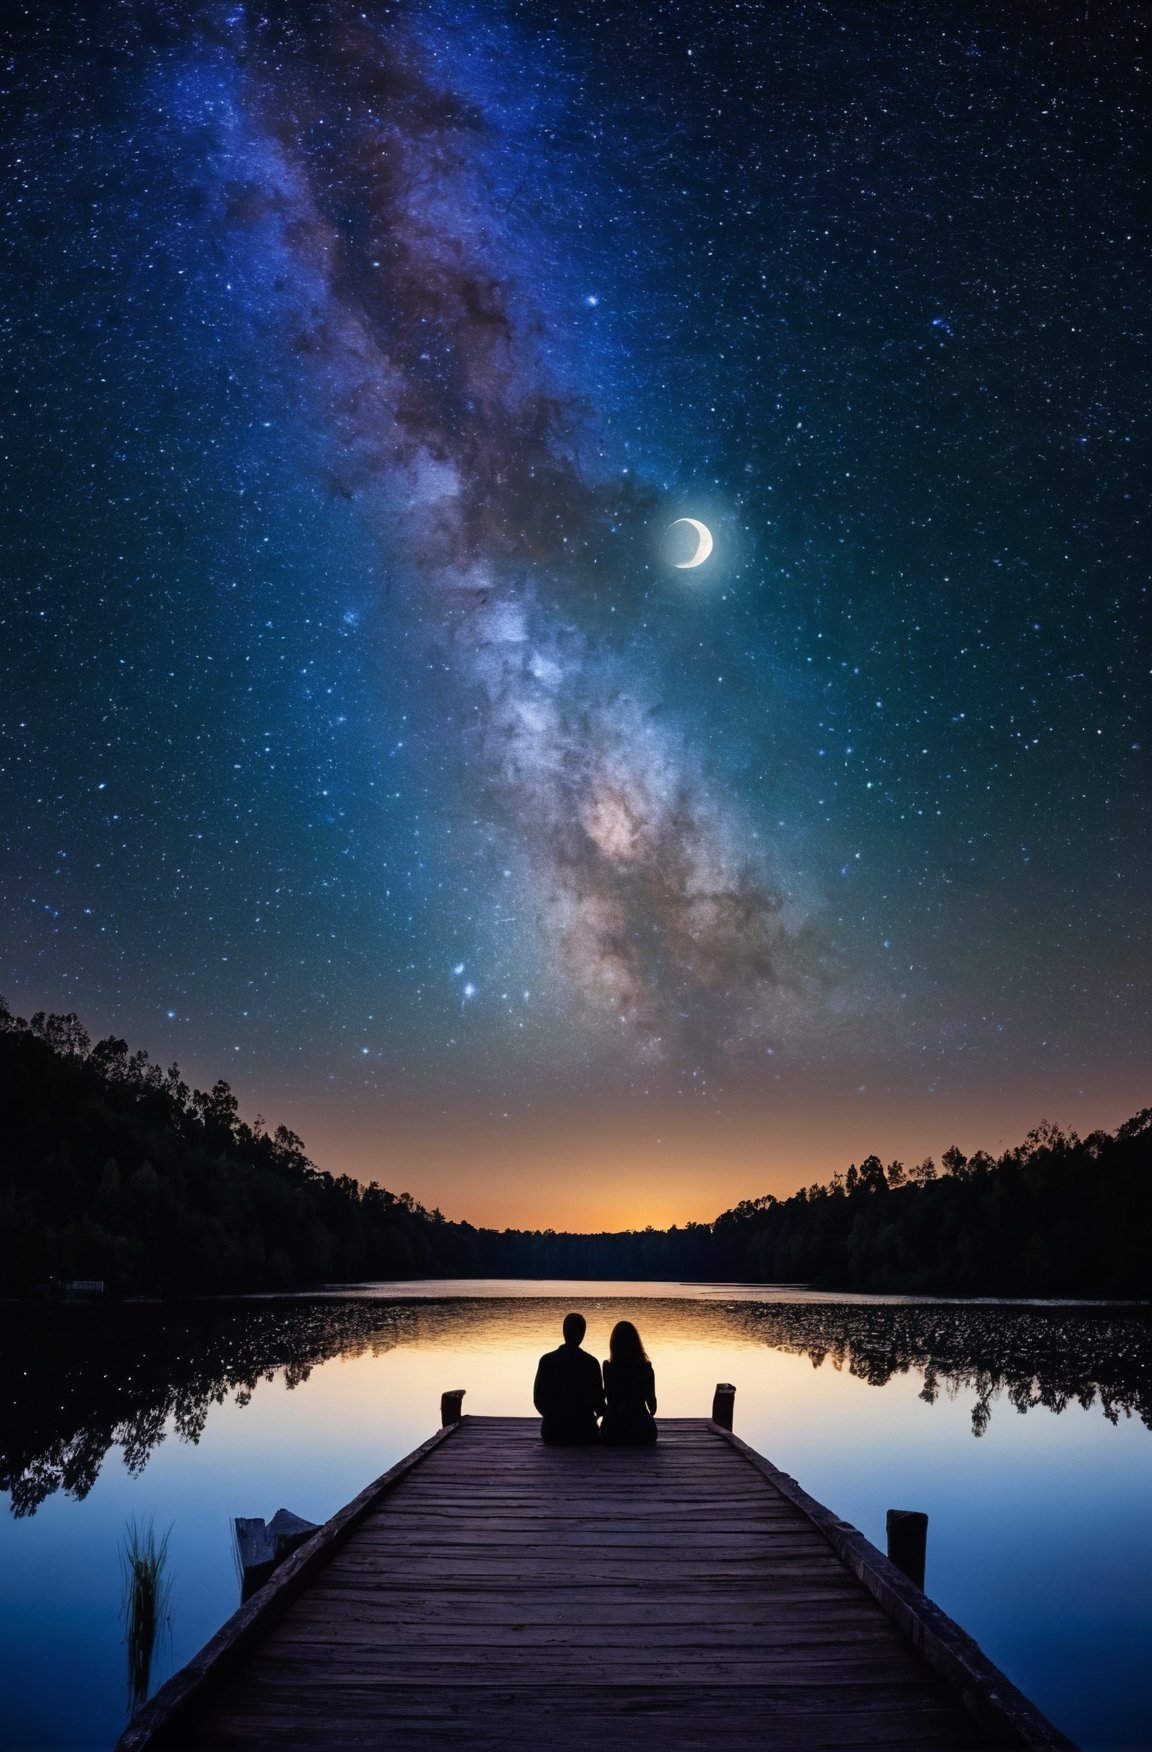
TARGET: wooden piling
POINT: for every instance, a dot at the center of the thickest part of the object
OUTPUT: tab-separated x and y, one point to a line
260	1548
722	1403
907	1542
450	1411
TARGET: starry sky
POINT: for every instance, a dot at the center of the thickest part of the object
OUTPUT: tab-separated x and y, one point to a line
363	737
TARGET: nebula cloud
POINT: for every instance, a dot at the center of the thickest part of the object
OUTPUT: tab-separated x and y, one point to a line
427	365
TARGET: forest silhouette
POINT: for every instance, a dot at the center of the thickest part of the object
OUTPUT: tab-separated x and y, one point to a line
113	1169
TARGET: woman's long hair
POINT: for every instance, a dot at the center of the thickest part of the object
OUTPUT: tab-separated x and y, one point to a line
625	1344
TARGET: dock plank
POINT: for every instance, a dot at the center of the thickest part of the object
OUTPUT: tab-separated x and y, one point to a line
497	1593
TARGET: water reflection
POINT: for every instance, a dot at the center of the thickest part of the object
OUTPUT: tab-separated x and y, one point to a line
78	1383
1031	1356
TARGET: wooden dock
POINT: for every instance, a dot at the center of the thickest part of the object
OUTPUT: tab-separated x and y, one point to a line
490	1591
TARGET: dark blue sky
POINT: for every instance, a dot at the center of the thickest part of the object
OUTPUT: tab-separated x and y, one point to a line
359	740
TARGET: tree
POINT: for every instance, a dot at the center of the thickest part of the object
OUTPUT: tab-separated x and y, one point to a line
872	1177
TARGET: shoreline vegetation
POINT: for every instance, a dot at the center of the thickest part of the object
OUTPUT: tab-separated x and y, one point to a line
115	1171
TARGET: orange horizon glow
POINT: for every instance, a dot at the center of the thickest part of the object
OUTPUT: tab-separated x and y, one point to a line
613	1171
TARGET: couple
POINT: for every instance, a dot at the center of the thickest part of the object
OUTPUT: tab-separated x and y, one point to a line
570	1395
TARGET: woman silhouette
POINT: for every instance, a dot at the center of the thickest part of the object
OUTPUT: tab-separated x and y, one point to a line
629	1388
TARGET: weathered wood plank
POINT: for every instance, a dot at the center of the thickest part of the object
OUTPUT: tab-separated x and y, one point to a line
764	1728
599	1567
820	1605
576	1505
743	1641
823	1668
706	1588
591	1596
506	1536
824	1681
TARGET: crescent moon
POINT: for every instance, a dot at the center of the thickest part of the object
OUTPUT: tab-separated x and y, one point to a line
703	547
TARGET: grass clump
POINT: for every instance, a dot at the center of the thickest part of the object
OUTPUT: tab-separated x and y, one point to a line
147	1599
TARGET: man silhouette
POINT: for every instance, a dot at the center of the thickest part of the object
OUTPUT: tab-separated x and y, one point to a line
569	1393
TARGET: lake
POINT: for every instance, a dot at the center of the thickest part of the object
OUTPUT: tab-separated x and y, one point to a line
1024	1431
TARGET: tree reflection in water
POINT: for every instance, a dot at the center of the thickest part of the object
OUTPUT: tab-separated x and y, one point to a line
79	1382
1032	1356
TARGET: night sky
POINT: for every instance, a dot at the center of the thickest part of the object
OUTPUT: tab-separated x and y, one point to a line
363	741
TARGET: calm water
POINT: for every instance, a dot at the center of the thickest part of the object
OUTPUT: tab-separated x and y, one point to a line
1023	1431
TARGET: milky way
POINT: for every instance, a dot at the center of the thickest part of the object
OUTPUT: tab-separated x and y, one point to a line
362	742
426	358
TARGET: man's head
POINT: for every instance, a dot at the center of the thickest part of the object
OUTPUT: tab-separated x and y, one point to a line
575	1326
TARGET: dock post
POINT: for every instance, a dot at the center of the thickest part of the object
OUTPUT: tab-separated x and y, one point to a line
450	1405
722	1401
907	1541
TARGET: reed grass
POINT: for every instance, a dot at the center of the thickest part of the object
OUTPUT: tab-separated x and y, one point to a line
147	1601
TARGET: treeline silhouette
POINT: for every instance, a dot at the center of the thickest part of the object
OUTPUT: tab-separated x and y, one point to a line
77	1383
112	1168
